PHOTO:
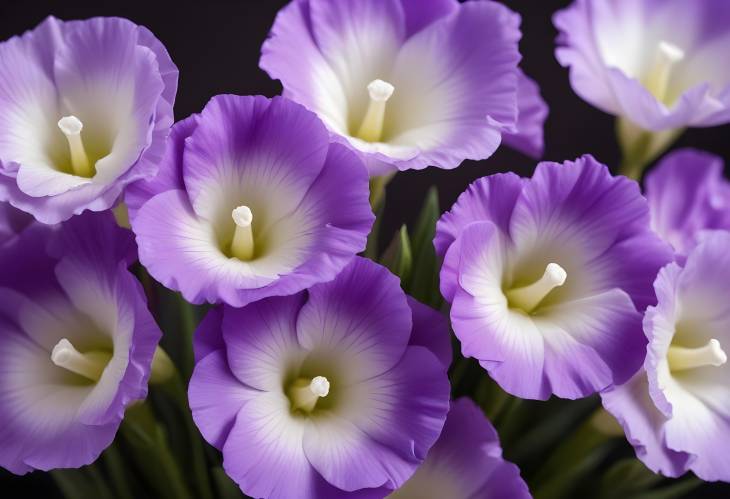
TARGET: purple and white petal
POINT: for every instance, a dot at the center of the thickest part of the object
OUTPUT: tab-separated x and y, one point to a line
305	204
367	68
88	114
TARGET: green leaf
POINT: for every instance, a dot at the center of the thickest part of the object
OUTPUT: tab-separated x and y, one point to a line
373	244
626	477
578	455
227	488
151	453
75	484
398	257
674	491
115	468
426	223
423	284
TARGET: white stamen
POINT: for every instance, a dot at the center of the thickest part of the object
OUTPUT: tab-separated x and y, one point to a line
320	386
671	52
681	358
528	297
657	81
380	91
371	128
242	246
304	393
90	365
71	127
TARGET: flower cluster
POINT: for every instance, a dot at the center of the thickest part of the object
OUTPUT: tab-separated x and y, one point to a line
315	372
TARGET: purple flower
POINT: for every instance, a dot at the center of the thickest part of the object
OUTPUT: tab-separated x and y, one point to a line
251	201
653	62
339	391
687	194
676	412
465	462
545	277
86	107
408	83
76	342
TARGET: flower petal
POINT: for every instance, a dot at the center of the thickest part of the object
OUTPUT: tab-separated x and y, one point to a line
489	198
431	330
593	342
254	151
263	452
216	397
644	426
261	341
532	113
361	318
462	116
383	427
687	194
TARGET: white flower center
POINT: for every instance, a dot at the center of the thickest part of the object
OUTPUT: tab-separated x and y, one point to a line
90	365
304	393
657	80
371	128
242	246
71	127
529	297
681	358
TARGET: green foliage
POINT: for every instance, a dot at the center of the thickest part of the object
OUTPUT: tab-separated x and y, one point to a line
412	257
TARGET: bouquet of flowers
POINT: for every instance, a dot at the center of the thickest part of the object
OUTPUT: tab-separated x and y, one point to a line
562	335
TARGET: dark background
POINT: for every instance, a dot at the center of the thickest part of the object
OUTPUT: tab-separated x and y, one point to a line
216	44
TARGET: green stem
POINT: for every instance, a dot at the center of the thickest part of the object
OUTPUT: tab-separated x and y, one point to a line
580	453
176	390
377	190
189	323
458	370
147	439
114	465
641	147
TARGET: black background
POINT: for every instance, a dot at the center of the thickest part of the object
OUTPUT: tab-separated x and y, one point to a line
216	45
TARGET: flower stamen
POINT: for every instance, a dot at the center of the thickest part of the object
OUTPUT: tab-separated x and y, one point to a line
90	365
242	246
304	393
711	354
529	297
657	81
371	128
71	127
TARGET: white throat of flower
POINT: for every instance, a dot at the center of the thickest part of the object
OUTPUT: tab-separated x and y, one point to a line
371	128
657	80
529	297
90	365
711	354
305	393
71	127
242	246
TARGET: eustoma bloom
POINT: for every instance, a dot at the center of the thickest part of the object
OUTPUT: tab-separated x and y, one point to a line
76	342
86	109
676	412
652	63
334	392
634	59
409	83
466	462
545	277
251	201
688	194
